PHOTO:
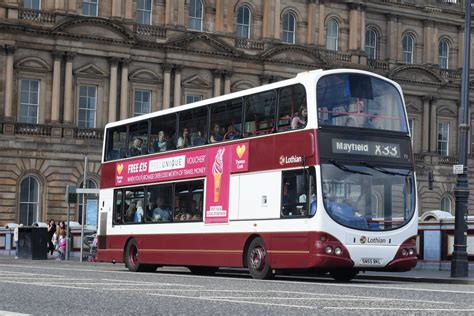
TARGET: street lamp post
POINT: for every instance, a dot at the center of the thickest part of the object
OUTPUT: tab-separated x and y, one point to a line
459	263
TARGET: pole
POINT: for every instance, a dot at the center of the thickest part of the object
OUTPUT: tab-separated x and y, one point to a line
68	231
84	185
459	263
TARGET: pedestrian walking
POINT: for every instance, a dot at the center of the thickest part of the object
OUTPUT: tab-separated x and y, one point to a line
15	239
51	232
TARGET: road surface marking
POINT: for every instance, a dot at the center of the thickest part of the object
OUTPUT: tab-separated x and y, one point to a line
364	308
8	313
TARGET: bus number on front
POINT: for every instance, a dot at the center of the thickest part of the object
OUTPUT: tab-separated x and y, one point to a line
386	151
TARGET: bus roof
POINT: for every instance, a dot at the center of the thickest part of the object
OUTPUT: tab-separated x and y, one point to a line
299	78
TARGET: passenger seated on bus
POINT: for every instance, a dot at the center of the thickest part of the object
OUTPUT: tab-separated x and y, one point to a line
184	140
197	139
216	134
350	122
139	214
136	147
162	142
196	212
130	213
161	213
299	120
232	133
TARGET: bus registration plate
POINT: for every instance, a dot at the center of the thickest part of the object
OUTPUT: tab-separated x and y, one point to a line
371	261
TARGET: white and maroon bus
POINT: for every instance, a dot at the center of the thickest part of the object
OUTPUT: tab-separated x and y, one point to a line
314	173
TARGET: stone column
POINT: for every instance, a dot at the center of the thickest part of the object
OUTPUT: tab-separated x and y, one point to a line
129	10
266	17
124	105
276	21
460	47
117	8
427	41
434	45
392	38
8	114
166	85
177	86
227	76
68	103
217	82
321	26
425	142
311	7
59	5
433	128
219	26
362	26
353	26
113	90
169	12
181	14
71	6
55	98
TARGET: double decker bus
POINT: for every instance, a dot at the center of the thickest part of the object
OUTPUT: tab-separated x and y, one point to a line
313	173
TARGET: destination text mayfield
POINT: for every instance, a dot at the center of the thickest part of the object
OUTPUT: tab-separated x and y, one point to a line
366	148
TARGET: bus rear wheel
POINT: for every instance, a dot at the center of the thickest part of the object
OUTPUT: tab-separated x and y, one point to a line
132	259
257	260
343	275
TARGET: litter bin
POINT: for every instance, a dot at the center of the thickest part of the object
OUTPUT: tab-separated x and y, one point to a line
33	243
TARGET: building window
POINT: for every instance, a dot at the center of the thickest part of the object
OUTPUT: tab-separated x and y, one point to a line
32	4
142	102
443	54
446	204
407	49
91	184
29	200
243	22
371	44
190	98
288	28
443	139
29	101
332	35
90	7
195	15
87	106
144	11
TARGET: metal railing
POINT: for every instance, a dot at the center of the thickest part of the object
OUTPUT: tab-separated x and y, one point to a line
89	133
330	55
32	129
378	64
448	160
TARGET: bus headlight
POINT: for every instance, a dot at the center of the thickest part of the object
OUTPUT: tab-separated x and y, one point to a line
328	250
338	251
323	238
411	251
404	252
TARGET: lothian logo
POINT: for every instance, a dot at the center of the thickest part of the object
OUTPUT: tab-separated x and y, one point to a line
363	239
292	159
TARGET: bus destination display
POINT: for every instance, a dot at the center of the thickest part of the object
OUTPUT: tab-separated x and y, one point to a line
364	147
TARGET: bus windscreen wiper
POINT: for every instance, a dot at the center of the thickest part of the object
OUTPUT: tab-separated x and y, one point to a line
344	168
383	170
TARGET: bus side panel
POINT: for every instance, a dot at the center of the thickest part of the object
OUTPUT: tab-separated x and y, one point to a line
290	250
215	249
113	252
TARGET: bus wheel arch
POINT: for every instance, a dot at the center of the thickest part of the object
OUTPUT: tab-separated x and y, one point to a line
131	257
246	248
257	260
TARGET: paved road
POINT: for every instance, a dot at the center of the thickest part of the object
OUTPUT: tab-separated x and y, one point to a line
49	287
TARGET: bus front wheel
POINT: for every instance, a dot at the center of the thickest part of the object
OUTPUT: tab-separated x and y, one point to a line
257	260
343	275
132	259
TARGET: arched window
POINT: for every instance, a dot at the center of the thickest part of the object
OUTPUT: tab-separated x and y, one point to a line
29	200
288	35
446	204
243	22
332	35
443	54
371	44
89	199
407	44
195	15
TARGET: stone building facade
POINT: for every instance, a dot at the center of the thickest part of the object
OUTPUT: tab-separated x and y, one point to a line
67	67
